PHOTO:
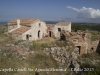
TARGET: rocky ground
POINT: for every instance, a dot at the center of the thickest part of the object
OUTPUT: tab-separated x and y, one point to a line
57	54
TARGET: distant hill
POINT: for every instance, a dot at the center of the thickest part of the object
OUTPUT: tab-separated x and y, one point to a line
3	23
51	22
85	26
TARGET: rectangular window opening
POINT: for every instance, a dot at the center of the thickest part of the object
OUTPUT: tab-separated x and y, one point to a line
59	29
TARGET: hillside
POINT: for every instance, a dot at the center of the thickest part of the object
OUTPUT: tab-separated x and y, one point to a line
48	56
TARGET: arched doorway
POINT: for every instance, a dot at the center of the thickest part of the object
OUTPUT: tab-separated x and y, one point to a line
39	34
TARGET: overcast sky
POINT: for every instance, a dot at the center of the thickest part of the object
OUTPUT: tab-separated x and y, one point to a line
51	10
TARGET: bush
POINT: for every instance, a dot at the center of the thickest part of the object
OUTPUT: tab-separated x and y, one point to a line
44	45
76	27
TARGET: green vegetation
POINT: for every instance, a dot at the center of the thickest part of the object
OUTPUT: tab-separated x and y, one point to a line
7	60
38	60
90	62
41	44
3	29
83	26
95	35
76	27
94	29
3	36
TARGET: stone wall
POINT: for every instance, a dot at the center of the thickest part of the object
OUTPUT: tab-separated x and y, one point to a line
57	32
82	40
64	55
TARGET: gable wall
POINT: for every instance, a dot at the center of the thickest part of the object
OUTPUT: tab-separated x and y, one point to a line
36	27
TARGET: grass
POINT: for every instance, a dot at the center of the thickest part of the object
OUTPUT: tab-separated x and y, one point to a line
32	61
41	44
88	63
10	61
3	36
49	42
38	46
95	35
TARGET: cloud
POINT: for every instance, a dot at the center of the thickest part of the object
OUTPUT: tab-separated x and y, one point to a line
86	12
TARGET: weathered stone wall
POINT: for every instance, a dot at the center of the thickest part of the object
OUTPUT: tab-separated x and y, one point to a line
64	55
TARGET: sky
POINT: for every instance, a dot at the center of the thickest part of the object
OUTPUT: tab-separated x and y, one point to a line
51	10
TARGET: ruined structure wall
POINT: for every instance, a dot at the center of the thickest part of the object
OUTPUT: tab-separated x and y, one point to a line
98	47
57	32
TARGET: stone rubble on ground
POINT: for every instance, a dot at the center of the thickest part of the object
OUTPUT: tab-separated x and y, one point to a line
62	56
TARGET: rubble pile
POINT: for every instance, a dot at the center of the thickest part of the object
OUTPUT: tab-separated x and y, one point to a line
19	47
64	55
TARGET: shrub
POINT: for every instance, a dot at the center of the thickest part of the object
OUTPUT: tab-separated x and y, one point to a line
44	45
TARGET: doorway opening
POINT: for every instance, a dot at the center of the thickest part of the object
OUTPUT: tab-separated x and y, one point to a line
50	33
62	37
39	34
79	48
27	36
